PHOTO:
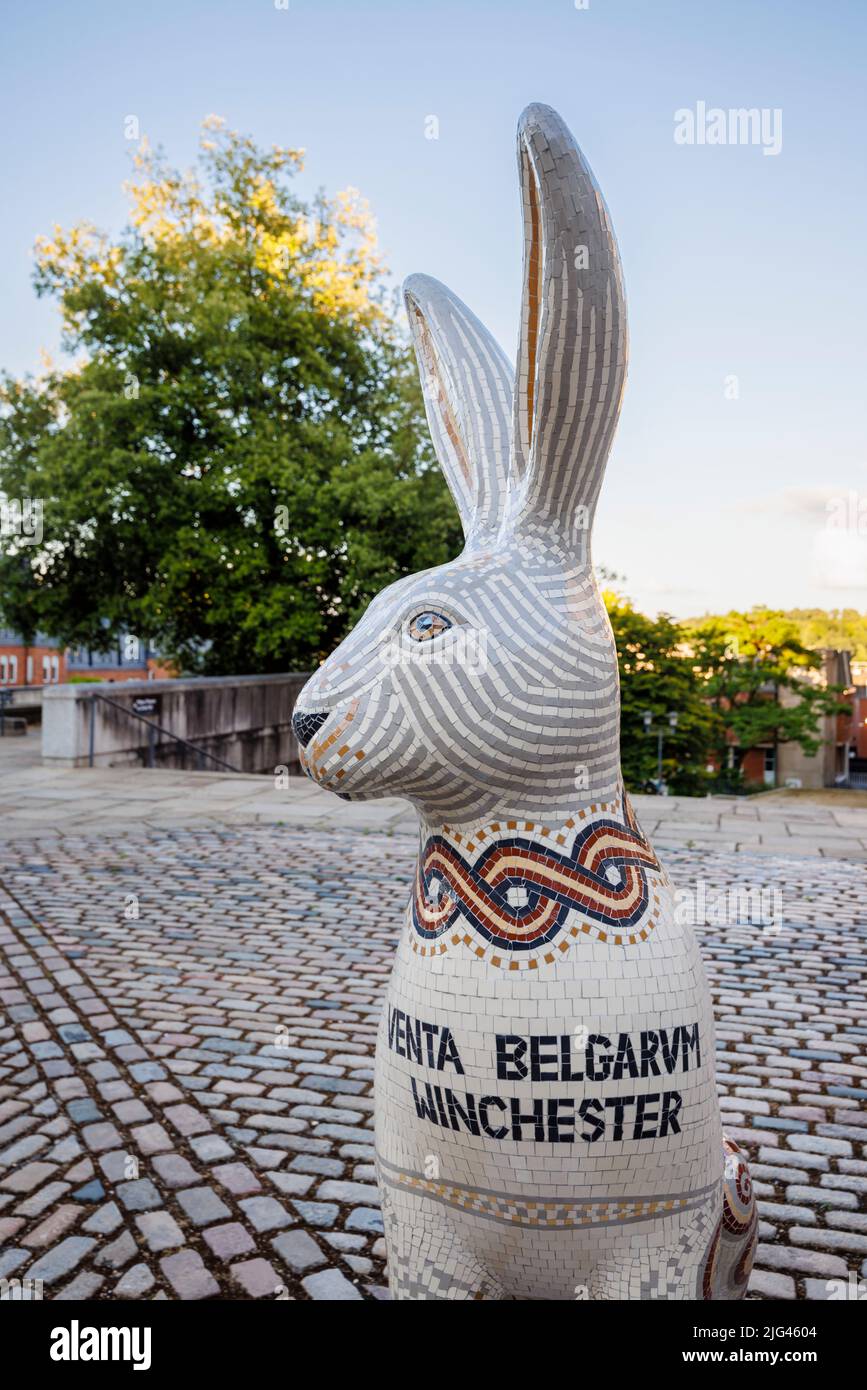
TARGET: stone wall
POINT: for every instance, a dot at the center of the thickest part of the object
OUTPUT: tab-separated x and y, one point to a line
243	720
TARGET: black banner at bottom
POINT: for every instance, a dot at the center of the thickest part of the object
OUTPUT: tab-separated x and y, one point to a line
228	1339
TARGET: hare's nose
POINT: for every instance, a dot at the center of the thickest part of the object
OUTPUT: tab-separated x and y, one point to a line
306	725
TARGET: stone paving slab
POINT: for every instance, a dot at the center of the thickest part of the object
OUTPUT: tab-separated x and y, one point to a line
55	802
187	1024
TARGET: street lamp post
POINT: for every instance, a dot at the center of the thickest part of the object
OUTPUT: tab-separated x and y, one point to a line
647	720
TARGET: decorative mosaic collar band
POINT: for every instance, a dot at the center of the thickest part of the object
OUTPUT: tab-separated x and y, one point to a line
518	893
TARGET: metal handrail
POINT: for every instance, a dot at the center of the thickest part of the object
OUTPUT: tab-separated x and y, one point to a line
5	699
149	723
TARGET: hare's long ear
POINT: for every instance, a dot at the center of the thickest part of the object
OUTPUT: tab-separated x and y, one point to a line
573	340
467	384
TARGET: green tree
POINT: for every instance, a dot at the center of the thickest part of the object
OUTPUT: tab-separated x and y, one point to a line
237	461
658	675
762	681
842	628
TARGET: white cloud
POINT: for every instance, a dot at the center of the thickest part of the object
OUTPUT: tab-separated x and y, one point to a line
839	559
804	505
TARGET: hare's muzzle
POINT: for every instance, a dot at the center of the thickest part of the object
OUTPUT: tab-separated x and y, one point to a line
307	724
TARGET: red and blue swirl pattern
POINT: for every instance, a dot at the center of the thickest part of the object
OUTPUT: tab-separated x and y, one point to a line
519	892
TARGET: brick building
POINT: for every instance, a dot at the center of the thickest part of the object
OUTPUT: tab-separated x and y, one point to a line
832	764
858	758
45	662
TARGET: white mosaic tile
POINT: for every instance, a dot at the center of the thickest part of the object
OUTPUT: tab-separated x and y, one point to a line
546	1114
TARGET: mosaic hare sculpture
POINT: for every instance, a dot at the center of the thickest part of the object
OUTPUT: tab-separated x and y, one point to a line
547	1122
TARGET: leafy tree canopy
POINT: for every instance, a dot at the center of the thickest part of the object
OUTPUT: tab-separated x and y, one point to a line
762	680
740	679
237	462
843	629
659	676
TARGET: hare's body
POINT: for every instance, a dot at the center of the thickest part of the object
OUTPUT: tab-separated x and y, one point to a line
546	1116
499	1183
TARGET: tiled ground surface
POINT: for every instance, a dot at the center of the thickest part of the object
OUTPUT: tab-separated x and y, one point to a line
46	799
185	1094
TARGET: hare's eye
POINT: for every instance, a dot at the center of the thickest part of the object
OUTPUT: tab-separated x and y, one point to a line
426	625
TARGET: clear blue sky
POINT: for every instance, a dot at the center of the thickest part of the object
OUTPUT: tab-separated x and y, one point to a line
737	263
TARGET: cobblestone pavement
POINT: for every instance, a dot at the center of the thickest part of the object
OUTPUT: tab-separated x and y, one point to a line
187	1021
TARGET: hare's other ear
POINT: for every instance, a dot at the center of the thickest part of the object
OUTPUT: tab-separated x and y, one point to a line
467	384
573	341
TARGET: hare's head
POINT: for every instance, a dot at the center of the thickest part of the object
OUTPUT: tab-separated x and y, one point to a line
489	685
